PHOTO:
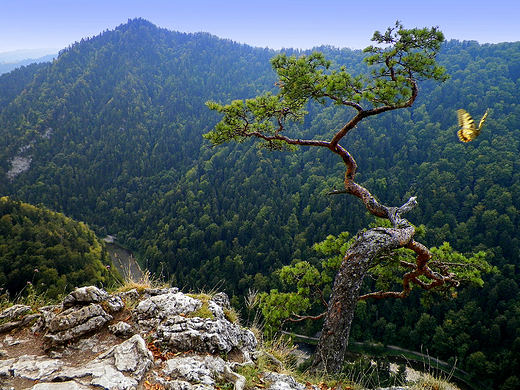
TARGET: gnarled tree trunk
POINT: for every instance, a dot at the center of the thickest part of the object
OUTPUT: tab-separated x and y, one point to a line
332	346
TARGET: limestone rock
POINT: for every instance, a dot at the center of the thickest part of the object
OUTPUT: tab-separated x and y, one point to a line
282	382
130	295
35	367
122	329
114	304
5	368
194	369
60	386
131	356
85	295
150	292
197	373
14	312
222	300
204	335
106	372
86	350
121	367
152	311
73	323
8	326
166	305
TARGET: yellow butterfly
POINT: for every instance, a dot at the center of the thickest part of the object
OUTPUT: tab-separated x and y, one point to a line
468	131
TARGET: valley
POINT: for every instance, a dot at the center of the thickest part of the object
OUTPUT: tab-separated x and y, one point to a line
127	157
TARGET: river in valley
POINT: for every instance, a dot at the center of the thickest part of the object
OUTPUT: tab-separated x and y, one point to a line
125	262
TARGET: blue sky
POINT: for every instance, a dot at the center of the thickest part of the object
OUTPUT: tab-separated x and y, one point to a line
31	24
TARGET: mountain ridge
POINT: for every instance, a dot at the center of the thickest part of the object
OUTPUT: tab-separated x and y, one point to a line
126	109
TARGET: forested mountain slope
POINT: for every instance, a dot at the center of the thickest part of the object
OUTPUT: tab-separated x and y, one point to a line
44	252
112	129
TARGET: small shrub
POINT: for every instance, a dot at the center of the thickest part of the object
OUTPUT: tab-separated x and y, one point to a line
232	316
202	312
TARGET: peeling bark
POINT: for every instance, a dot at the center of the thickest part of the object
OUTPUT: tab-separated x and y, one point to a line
359	258
392	87
333	342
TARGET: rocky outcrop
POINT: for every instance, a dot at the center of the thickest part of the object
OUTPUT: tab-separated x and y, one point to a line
154	339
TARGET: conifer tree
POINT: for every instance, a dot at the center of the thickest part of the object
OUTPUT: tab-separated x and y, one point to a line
399	60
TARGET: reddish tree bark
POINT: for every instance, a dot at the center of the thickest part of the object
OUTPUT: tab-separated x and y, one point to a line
390	86
332	346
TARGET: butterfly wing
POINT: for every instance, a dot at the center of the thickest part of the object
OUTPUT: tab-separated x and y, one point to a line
481	123
468	131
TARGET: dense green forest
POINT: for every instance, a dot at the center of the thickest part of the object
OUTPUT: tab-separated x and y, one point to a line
46	252
112	130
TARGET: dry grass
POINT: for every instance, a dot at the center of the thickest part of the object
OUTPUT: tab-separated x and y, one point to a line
148	280
429	382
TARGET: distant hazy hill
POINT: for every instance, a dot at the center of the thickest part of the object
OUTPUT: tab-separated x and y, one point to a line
15	59
110	134
23	54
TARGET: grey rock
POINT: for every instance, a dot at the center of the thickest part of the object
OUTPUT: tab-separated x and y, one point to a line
238	380
73	323
131	356
192	369
182	385
164	315
150	292
122	329
85	295
121	367
216	309
8	326
115	304
204	335
11	341
218	304
14	312
199	372
108	370
30	317
282	382
166	305
5	368
98	373
222	300
55	355
50	308
73	317
69	385
47	315
35	367
91	344
114	380
130	295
